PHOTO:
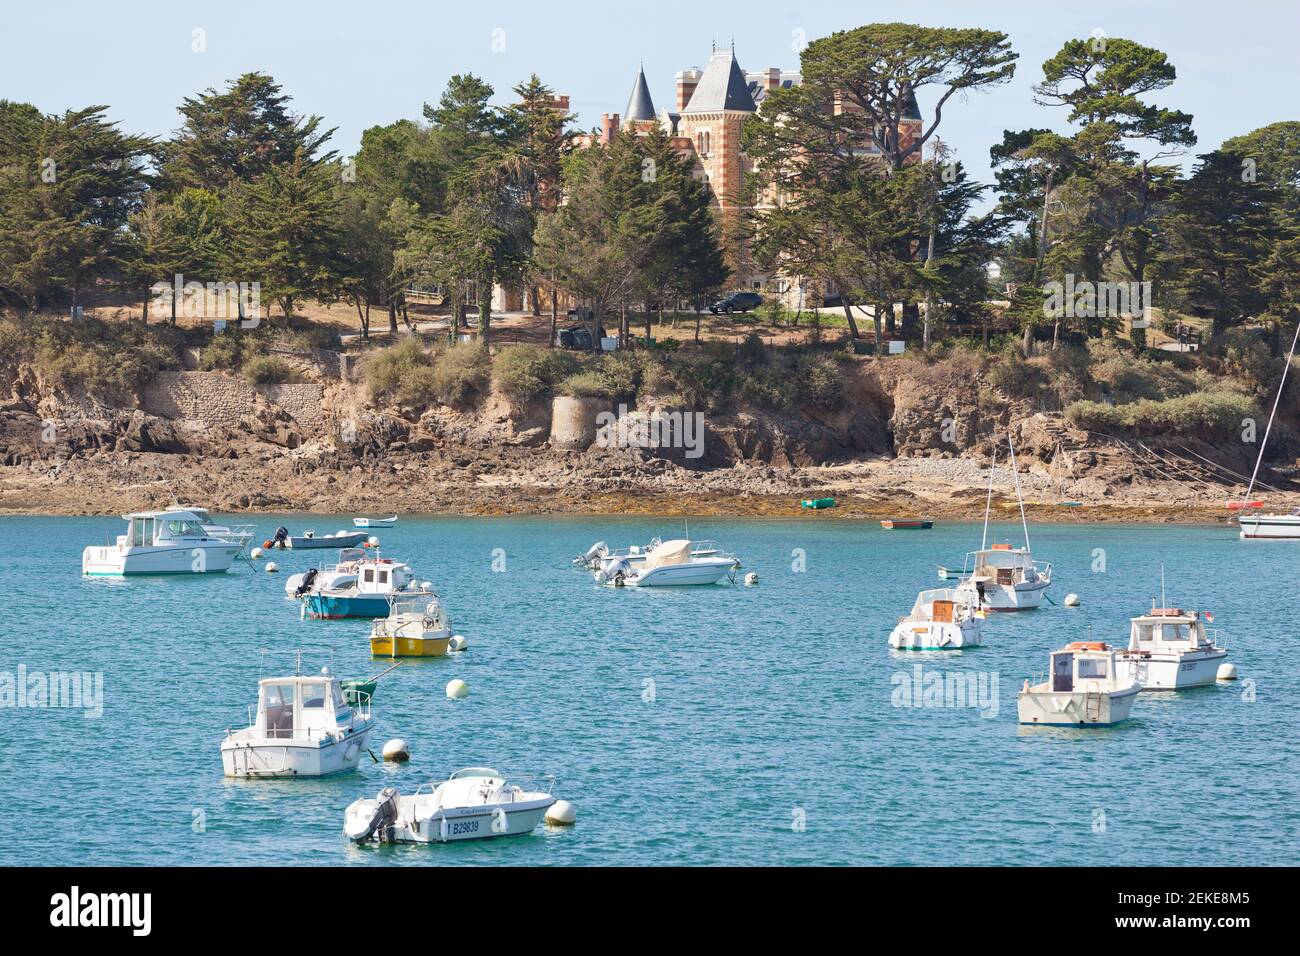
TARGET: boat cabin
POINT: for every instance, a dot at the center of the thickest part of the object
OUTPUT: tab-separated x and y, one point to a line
148	528
940	605
1167	629
301	708
1001	564
1080	664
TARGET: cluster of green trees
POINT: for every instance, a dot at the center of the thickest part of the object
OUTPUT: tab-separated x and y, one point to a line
247	191
846	186
842	196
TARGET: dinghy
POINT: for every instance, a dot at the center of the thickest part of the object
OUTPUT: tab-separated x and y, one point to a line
906	524
473	804
375	522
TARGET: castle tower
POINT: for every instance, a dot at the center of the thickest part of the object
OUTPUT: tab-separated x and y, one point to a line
640	107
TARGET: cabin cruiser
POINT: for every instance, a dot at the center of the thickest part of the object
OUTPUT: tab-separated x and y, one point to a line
1087	687
473	804
635	554
303	728
941	620
670	564
1168	649
417	626
360	585
164	542
1004	578
375	522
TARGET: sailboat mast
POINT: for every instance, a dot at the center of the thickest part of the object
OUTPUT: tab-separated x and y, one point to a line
1019	497
1277	398
988	504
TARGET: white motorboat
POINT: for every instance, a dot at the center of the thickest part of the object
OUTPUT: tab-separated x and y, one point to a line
375	522
303	728
1168	649
163	542
1087	687
941	620
670	564
474	804
599	553
1259	524
999	577
310	540
417	626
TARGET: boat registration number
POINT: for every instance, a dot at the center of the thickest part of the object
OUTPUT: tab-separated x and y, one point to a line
467	826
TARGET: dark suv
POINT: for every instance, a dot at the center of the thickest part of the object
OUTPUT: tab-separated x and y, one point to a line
737	302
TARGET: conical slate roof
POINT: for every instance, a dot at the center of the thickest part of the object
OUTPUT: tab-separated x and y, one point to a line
639	104
722	87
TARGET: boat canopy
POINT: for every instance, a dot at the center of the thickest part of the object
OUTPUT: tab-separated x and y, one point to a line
677	551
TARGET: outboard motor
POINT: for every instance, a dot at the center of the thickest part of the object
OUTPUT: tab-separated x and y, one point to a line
281	536
591	558
360	828
308	580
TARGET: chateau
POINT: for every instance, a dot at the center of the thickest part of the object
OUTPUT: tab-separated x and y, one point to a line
709	107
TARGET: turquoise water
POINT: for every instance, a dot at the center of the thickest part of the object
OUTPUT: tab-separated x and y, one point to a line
692	726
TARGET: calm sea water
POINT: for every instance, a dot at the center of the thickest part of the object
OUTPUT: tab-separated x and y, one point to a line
688	726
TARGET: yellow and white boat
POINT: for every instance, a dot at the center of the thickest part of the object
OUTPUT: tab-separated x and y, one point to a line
417	626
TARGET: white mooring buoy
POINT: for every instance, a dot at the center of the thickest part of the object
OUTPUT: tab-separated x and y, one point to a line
751	578
373	541
255	553
457	688
272	567
1072	600
396	751
1227	672
457	643
562	814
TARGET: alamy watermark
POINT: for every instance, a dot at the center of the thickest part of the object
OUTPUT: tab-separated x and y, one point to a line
79	690
938	690
213	300
1090	300
660	429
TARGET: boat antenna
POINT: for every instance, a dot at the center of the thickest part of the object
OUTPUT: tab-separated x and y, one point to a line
1162	585
1019	497
989	503
1277	398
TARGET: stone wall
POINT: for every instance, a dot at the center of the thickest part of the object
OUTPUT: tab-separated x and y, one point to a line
214	399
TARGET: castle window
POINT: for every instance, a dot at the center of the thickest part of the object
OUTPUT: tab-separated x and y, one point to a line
702	142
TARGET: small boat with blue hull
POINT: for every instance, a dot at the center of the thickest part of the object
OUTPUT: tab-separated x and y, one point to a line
360	585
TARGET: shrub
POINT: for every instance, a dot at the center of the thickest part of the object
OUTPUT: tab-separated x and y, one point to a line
401	373
112	360
459	373
268	370
527	373
588	384
1208	414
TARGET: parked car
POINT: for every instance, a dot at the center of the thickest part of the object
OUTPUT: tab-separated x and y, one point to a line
737	302
575	337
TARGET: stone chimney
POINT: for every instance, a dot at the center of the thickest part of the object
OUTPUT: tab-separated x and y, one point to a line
608	126
773	77
687	80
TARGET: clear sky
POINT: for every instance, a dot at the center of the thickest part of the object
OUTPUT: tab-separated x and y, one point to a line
360	64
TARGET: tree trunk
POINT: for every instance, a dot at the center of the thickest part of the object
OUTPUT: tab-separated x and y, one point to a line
534	294
697	324
555	316
1027	343
392	318
877	320
485	310
853	325
361	318
145	313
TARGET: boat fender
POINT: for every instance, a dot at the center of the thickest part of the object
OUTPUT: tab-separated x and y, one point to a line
457	643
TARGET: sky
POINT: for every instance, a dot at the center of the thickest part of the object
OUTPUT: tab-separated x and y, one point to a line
365	64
